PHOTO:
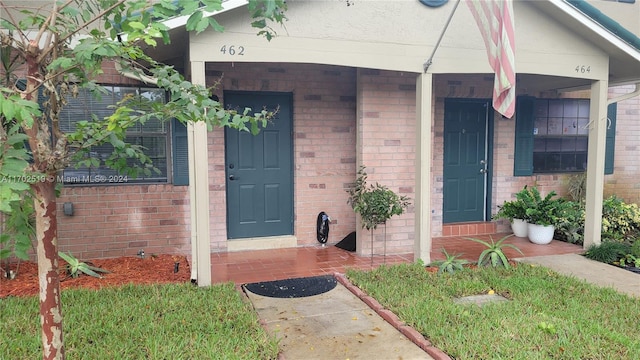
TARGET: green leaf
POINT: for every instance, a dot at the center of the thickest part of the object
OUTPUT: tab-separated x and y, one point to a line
13	167
259	24
68	258
215	25
85	269
137	25
17	138
193	20
8	109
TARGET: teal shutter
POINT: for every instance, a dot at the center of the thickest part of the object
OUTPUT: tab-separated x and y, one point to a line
180	153
610	147
523	154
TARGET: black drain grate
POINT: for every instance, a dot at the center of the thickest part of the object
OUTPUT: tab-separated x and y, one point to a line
293	288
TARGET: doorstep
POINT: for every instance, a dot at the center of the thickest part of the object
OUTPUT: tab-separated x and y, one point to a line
469	228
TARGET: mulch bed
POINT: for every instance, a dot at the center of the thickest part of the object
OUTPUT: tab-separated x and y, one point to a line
123	270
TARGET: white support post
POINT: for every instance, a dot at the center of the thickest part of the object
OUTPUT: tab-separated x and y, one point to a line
199	191
424	105
595	162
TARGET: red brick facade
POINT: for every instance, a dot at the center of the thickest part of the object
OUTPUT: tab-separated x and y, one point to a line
342	117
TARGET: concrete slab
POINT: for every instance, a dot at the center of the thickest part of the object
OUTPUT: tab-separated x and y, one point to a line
480	300
333	325
591	271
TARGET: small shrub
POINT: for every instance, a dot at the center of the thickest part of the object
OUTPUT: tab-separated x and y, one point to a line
635	248
451	264
494	255
577	187
75	267
542	211
570	226
375	203
514	209
620	221
629	260
607	252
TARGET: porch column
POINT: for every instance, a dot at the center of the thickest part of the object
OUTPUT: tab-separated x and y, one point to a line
363	245
199	191
598	124
422	201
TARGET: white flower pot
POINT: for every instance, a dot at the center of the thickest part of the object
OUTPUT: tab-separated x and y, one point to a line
540	234
519	227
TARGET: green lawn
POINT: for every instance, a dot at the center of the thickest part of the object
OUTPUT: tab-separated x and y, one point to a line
550	316
142	322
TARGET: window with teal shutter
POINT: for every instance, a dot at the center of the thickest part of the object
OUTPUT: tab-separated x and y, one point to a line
180	153
552	136
612	111
152	135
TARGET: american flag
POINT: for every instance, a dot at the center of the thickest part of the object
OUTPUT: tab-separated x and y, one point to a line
495	21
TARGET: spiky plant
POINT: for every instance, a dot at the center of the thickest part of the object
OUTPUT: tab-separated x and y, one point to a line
494	254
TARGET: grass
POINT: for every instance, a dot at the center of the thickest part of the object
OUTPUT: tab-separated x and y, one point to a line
142	322
550	316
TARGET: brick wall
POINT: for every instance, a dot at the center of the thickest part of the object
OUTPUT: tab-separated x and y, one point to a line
625	182
112	221
334	108
386	146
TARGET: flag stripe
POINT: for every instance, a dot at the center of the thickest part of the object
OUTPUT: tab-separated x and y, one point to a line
495	21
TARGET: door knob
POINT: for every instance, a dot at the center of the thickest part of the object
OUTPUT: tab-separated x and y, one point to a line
232	177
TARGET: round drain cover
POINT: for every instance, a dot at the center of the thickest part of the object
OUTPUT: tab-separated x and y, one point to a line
293	288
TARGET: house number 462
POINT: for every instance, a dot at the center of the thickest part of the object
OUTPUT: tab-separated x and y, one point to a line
232	50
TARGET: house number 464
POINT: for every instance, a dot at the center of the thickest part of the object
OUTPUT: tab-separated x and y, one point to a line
582	69
232	50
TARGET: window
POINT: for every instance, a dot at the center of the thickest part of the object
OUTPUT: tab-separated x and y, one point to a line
153	135
560	135
552	136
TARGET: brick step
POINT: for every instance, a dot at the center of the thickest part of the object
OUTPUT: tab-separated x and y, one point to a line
469	228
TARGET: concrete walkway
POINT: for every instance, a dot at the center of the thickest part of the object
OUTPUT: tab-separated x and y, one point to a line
345	323
591	271
333	325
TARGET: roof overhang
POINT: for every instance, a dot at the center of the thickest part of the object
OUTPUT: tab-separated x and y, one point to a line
624	59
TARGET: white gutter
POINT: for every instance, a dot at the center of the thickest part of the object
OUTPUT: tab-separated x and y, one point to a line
596	27
227	5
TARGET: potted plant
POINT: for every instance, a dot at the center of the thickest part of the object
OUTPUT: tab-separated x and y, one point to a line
542	214
375	203
516	212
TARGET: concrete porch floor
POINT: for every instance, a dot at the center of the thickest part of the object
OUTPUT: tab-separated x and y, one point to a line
266	265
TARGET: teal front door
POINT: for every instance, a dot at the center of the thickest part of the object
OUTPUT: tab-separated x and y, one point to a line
259	169
466	160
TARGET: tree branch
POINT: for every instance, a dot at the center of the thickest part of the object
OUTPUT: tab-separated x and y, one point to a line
86	24
51	20
13	22
44	25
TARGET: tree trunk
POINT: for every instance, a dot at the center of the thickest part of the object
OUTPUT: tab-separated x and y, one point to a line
47	251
